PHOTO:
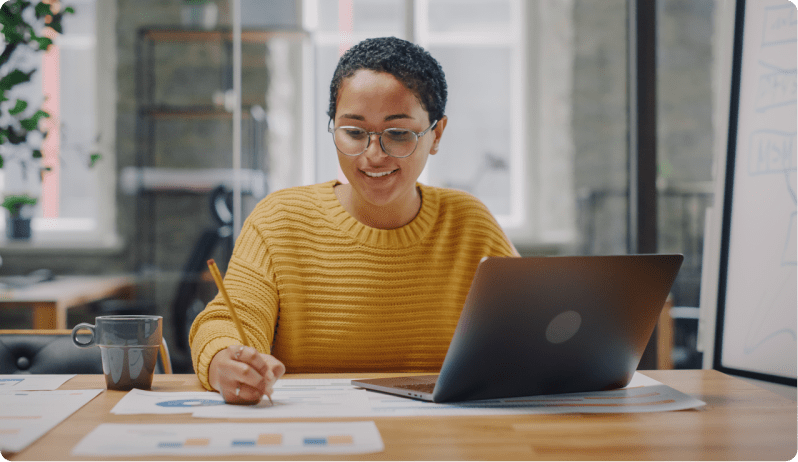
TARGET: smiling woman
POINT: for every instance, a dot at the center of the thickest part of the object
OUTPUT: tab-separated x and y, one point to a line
365	276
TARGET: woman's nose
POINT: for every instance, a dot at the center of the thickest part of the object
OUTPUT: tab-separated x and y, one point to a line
374	150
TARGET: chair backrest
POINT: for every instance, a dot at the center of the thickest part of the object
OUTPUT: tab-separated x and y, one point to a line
52	352
191	295
45	352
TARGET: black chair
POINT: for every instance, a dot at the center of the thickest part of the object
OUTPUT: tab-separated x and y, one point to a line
195	291
46	352
51	352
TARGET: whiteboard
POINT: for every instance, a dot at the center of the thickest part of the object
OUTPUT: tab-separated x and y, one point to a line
758	294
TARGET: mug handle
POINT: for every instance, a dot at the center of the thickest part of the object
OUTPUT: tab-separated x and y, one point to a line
89	327
166	360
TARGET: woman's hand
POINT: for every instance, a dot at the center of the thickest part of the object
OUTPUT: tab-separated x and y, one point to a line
243	375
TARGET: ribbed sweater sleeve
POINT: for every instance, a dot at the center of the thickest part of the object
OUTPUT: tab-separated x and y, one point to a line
323	293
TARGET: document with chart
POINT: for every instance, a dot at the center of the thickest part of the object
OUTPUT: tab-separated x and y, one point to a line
216	439
17	382
25	416
320	398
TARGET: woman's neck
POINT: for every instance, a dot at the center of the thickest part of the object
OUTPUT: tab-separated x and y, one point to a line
390	216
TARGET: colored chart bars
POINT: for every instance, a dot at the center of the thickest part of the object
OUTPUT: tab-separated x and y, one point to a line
231	438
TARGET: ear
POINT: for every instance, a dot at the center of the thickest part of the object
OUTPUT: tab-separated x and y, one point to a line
438	131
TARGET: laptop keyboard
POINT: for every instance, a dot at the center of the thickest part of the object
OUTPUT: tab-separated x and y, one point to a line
422	387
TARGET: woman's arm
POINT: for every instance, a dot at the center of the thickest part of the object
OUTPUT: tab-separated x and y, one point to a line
250	282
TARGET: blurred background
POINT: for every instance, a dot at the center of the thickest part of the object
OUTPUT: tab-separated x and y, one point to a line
539	130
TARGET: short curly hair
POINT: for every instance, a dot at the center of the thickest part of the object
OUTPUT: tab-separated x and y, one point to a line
408	62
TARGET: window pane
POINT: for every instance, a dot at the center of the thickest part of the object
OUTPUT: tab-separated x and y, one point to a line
468	15
600	127
379	17
684	150
475	149
75	185
326	157
685	134
374	17
78	184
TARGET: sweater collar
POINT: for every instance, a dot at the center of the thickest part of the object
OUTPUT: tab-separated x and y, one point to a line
405	236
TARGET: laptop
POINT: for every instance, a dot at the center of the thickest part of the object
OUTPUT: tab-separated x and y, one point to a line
547	325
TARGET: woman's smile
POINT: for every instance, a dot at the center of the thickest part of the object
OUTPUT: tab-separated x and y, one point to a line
382	174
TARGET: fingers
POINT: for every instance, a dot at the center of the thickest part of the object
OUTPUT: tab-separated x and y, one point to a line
274	370
247	383
243	375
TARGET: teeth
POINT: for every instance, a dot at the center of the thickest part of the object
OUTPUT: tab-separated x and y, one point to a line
377	175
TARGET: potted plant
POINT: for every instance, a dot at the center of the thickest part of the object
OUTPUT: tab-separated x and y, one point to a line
18	206
21	135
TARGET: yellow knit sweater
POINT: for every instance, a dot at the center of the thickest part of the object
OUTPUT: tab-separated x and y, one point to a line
324	293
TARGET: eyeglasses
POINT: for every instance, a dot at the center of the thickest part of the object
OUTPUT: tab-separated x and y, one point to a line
396	142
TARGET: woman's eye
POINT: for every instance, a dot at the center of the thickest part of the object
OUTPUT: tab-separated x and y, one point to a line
355	133
399	136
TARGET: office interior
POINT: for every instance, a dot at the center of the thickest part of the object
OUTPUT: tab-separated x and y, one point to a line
543	120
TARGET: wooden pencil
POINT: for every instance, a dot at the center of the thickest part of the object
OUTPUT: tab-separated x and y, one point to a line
217	276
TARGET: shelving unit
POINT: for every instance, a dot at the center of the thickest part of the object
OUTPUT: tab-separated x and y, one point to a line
182	123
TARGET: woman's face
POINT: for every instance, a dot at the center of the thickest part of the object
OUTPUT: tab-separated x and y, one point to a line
375	101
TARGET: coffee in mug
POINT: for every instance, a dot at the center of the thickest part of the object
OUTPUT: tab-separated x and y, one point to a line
129	347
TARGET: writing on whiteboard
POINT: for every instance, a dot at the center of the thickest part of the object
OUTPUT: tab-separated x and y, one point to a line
776	87
780	24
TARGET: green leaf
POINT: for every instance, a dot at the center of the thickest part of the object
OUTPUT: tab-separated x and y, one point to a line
1	161
43	42
93	159
69	10
20	106
36	154
33	122
14	203
55	24
43	9
13	78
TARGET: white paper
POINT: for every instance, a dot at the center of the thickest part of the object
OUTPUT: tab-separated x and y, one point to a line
219	439
155	402
25	416
316	398
33	381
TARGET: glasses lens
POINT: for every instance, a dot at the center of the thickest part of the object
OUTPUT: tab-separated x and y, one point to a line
351	140
399	143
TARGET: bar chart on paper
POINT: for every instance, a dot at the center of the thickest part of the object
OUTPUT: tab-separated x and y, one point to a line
27	415
231	438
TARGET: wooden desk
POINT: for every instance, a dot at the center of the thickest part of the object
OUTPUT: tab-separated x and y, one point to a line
739	422
50	300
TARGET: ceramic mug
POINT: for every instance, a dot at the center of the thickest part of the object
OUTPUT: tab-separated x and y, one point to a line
129	347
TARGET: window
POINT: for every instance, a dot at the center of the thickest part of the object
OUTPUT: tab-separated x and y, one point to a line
71	205
480	45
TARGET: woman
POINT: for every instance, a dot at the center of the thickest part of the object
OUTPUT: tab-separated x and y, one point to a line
365	276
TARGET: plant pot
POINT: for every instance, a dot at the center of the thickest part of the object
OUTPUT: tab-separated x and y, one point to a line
18	228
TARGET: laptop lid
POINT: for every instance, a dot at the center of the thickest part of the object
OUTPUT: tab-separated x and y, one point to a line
545	325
